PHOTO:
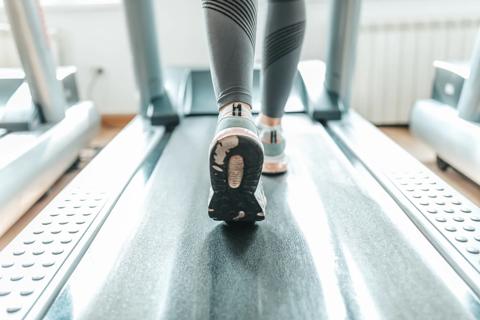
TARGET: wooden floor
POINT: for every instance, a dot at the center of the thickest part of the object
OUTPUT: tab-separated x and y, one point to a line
112	125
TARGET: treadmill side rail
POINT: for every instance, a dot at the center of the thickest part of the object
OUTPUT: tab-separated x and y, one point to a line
449	220
57	238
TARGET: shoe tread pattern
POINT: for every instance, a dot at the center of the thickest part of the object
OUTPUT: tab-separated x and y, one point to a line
227	202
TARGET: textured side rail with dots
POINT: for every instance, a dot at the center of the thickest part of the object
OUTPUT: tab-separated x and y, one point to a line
36	263
449	220
30	262
456	218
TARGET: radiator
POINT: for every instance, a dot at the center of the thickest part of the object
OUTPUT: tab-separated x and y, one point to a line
394	64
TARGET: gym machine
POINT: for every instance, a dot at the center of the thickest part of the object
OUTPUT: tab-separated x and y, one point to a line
356	229
43	121
449	122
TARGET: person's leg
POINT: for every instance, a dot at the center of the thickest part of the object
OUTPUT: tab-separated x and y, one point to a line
283	40
231	27
236	152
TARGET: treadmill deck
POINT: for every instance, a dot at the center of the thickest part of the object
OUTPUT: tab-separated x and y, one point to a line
333	246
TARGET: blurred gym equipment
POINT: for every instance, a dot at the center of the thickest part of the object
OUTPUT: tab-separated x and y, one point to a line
44	124
449	122
356	229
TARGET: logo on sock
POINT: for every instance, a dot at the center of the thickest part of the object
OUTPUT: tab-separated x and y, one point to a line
273	136
237	110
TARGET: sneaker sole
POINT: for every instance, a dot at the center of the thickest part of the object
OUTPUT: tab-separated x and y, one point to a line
236	161
274	168
274	165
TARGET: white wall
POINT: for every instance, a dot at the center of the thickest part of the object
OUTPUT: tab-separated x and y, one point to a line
94	35
91	37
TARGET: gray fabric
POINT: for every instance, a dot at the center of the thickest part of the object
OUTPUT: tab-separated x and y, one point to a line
231	27
237	122
284	32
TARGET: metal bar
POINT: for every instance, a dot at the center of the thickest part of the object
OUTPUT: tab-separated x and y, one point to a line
28	27
140	16
341	48
469	104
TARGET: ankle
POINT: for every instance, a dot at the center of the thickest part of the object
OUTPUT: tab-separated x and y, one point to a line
269	121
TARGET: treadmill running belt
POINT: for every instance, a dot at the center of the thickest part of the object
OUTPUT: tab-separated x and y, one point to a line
327	249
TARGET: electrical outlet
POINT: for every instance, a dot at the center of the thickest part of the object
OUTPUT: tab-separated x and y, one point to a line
98	70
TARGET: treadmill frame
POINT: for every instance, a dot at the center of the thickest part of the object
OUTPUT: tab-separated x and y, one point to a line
98	188
33	160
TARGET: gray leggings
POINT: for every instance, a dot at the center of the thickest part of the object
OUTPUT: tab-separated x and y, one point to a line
231	27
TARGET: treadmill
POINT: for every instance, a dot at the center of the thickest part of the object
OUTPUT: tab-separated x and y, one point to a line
449	122
357	228
43	122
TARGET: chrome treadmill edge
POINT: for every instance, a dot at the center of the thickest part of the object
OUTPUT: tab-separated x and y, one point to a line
99	179
358	136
